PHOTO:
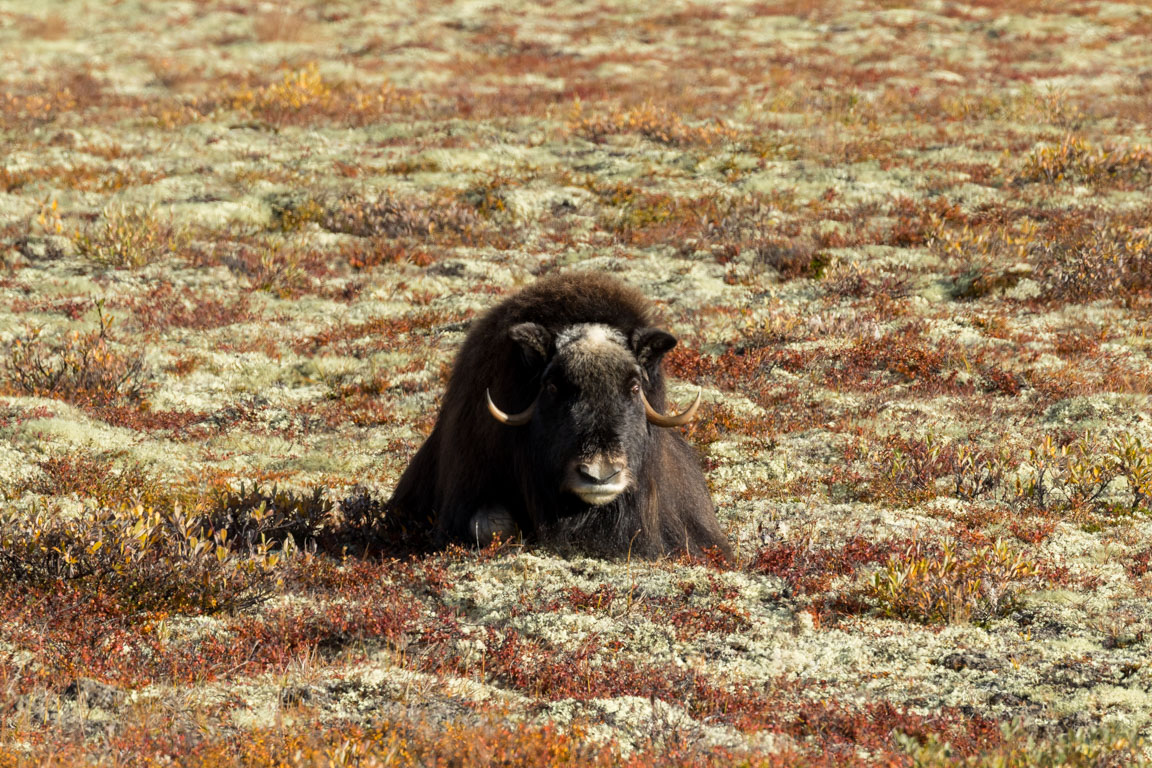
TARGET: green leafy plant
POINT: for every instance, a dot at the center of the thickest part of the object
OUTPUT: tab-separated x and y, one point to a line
1077	474
943	584
129	237
1132	461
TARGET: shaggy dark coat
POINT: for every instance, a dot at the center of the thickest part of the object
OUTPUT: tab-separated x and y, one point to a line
471	461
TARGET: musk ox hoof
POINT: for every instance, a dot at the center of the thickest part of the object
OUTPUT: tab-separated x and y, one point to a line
490	522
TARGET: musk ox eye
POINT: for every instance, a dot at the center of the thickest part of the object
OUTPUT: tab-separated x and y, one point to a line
634	388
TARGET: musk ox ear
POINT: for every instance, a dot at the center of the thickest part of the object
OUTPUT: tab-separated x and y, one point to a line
649	345
535	341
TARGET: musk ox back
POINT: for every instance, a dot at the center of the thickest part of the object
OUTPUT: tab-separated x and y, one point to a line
553	424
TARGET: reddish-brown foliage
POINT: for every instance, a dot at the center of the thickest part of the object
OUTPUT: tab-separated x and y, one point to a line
164	307
809	569
379	333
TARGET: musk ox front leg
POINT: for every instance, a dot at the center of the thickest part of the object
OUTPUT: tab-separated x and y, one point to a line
491	521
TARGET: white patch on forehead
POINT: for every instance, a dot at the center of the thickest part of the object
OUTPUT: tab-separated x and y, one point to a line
590	334
597	334
594	355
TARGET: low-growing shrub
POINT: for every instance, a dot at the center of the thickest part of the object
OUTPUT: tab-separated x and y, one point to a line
945	584
83	368
150	559
1074	474
164	307
1079	474
650	121
358	524
44	105
253	514
279	270
103	480
488	196
305	96
808	568
1076	255
128	238
1132	461
1076	160
791	257
291	214
398	217
1023	748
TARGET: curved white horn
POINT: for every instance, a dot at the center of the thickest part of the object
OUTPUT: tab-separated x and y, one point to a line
512	420
675	420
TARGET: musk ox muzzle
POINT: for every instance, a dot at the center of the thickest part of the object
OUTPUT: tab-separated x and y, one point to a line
598	479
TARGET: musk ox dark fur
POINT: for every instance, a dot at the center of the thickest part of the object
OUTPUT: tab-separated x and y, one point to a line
553	425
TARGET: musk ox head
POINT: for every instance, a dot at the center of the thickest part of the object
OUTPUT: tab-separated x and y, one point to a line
588	428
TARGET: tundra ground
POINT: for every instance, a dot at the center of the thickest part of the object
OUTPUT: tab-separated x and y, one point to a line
908	255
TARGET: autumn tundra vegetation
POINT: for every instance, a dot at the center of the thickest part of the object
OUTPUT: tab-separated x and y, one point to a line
905	251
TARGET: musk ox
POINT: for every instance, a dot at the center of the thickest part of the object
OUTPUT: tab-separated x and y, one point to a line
553	425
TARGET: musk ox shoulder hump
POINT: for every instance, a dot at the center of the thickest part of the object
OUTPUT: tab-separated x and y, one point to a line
577	297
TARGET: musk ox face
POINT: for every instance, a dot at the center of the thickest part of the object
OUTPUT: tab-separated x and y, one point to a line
588	428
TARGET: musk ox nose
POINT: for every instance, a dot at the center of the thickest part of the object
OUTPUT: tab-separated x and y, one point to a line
600	470
598	479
